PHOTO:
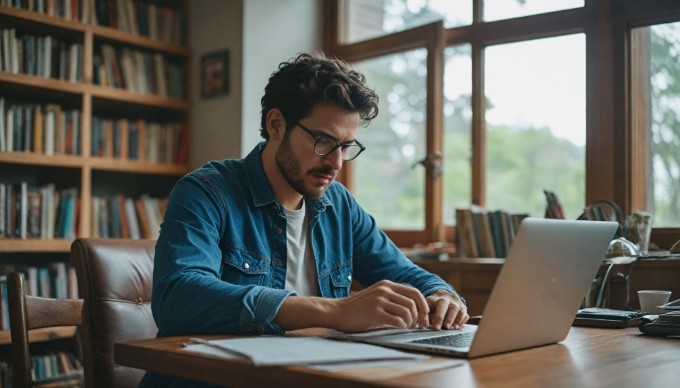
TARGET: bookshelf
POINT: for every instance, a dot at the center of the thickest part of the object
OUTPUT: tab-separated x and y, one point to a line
96	26
73	76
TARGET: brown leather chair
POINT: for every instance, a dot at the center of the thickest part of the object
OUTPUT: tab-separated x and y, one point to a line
31	312
114	280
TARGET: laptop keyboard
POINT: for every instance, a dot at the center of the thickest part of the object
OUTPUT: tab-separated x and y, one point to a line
459	340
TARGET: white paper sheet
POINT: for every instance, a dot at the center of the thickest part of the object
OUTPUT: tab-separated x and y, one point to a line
273	350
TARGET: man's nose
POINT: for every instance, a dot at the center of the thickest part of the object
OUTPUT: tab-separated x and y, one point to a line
334	159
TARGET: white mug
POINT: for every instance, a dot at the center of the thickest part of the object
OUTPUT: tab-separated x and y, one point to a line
650	299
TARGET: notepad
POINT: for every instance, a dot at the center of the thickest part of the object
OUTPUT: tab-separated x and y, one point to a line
276	351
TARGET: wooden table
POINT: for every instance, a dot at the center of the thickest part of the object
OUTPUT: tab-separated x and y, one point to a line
589	357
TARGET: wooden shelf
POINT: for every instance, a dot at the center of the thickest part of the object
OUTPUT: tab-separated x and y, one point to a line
65	87
118	36
41	335
34	18
35	245
42	83
105	164
131	166
31	158
137	98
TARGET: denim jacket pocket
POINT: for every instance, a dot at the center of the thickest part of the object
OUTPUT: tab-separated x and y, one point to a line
340	281
243	268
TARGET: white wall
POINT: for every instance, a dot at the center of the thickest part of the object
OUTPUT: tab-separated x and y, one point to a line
259	35
215	25
274	31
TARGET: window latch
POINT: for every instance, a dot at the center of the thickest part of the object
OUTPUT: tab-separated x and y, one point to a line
433	164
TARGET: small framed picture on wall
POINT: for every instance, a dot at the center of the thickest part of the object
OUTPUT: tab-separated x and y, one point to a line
215	74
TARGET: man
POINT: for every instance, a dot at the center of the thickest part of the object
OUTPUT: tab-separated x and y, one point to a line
271	242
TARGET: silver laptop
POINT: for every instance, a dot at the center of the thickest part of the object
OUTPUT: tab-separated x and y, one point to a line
534	301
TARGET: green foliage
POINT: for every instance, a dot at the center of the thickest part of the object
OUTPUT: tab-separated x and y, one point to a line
665	136
522	161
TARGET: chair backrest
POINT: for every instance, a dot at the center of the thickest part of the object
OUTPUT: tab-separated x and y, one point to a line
114	280
31	312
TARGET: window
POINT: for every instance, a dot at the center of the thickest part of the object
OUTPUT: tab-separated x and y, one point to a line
656	117
506	9
535	123
370	18
457	130
396	140
578	97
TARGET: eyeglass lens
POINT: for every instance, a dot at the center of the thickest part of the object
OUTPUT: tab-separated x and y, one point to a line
325	146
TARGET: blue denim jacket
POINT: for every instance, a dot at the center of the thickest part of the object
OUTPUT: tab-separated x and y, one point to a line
220	262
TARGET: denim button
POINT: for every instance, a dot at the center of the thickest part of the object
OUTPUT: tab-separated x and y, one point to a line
278	231
246	265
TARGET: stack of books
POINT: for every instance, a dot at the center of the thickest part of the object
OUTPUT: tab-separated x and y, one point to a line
27	211
486	233
123	217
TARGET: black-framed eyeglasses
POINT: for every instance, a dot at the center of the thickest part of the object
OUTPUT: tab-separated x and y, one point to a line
325	145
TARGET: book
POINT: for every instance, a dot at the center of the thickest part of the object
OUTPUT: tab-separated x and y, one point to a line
9	129
4	309
124	138
122	216
114	218
23	217
75	118
486	233
465	233
154	214
144	227
38	130
496	225
3	135
34	213
3	200
133	222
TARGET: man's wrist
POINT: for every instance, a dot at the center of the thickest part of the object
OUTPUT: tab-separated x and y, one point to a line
297	312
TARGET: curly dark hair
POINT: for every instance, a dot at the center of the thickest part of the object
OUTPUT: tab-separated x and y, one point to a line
311	79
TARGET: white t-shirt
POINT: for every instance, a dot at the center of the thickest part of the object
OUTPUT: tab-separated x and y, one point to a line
301	274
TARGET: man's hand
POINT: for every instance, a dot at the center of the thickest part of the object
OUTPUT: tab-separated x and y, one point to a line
384	304
447	311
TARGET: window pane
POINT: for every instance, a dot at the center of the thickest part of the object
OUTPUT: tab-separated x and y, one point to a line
387	185
656	61
368	19
506	9
457	130
535	119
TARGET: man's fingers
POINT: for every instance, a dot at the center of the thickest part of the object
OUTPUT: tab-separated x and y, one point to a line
403	307
408	296
401	313
413	294
447	313
440	309
462	316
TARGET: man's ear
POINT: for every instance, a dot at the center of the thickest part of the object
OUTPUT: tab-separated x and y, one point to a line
276	124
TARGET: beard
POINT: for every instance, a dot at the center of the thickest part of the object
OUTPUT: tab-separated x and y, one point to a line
289	166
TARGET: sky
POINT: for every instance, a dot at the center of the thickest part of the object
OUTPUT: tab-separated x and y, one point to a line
540	83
